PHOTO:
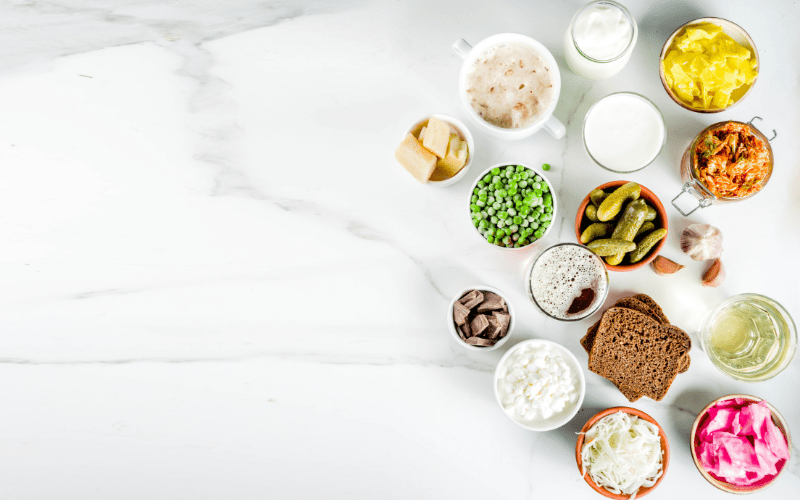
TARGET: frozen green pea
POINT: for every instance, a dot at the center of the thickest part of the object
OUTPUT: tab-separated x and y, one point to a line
493	219
546	167
515	237
502	214
491	211
514	228
480	203
517	219
490	239
496	170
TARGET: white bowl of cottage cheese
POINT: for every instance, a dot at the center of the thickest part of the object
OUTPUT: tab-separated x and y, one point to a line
539	385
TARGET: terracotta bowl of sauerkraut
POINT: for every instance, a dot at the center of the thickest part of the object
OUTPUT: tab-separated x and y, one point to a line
638	469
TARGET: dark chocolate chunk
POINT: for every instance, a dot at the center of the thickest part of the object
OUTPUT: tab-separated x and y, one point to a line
493	331
479	324
460	313
491	302
504	320
471	299
480	341
464	330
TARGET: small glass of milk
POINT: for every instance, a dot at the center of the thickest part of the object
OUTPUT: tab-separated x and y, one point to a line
624	132
600	40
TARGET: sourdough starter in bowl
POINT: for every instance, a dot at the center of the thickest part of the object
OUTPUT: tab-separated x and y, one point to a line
510	85
568	282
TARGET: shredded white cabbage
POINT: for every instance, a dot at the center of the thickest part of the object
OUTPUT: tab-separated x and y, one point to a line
622	453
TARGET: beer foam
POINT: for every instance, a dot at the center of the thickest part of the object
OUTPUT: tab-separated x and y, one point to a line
561	273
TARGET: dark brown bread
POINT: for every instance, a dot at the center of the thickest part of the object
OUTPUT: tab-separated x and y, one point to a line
637	354
649	302
639	306
628	302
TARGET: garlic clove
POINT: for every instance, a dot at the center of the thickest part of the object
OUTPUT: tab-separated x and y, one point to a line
702	242
714	275
663	266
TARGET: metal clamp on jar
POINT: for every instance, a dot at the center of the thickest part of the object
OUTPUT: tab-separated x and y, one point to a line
699	181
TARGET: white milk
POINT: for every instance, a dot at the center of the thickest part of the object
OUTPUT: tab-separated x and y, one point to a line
623	132
599	41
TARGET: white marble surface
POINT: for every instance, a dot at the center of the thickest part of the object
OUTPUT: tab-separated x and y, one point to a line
219	284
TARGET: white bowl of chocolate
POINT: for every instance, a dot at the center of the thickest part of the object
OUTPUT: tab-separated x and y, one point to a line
480	318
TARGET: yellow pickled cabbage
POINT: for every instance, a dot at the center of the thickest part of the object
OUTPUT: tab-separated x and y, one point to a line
704	67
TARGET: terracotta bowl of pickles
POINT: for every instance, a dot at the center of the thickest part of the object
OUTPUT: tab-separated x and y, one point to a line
683	50
643	246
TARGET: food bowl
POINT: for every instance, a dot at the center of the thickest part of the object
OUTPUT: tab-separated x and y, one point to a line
451	325
734	31
553	214
779	422
631	411
465	134
557	420
581	223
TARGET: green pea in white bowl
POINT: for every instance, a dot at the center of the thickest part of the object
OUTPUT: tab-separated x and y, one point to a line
525	211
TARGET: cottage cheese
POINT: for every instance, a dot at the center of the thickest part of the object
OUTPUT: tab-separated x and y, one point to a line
536	383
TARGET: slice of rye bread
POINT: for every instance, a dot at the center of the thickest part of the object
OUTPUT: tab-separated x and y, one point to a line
649	302
639	306
637	354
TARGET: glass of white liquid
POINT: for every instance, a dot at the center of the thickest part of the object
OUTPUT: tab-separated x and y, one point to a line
600	40
624	132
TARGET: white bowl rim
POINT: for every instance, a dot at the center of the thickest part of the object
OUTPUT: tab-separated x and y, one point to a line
465	133
552	192
581	377
452	327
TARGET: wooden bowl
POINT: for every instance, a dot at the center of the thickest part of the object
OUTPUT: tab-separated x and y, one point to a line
777	419
631	411
581	223
734	31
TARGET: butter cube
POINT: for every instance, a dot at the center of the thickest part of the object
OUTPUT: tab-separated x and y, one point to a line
454	160
436	137
417	160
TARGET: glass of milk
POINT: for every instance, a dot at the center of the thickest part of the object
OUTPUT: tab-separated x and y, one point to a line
600	40
624	132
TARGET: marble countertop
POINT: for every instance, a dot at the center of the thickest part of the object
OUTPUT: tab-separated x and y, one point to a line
219	283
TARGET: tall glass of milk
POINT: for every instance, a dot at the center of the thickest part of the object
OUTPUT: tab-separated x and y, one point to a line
600	39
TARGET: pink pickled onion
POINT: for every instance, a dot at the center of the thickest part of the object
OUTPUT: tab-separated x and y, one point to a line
740	444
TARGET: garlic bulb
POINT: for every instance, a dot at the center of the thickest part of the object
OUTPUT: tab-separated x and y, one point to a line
702	241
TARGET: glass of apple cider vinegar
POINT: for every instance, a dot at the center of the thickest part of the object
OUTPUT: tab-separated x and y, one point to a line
749	337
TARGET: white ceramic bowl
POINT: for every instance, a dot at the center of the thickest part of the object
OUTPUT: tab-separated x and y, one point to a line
538	172
546	120
462	130
560	419
451	325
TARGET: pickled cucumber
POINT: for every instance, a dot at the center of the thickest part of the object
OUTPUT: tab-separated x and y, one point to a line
596	230
591	213
611	247
646	228
597	196
646	244
627	227
651	213
612	205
